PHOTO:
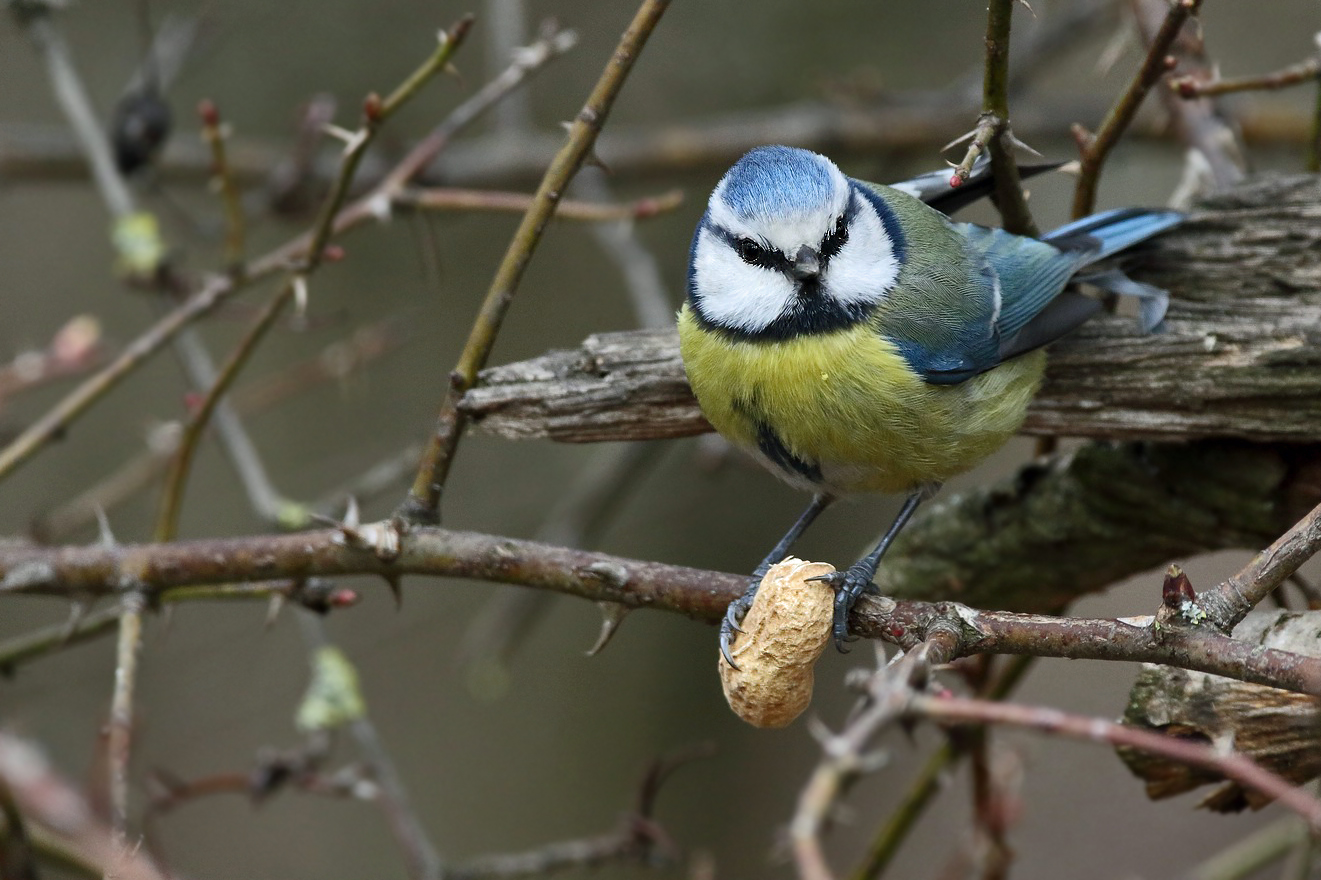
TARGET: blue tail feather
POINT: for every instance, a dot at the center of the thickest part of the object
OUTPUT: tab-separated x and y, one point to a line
1109	232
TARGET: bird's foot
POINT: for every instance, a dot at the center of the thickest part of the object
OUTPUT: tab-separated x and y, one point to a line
734	615
849	585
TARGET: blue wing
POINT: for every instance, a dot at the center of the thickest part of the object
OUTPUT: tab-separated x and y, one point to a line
1033	274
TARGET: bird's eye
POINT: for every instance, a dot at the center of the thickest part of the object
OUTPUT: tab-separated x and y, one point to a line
836	238
750	251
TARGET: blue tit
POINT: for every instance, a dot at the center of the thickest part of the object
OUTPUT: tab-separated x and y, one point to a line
854	339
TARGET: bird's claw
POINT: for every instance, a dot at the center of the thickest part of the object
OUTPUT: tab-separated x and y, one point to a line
849	585
733	617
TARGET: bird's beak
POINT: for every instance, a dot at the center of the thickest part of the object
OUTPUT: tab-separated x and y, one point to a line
807	265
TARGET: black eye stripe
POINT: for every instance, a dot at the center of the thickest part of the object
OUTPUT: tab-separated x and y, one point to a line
753	252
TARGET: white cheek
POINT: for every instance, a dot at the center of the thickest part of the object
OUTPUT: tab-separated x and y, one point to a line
865	269
732	293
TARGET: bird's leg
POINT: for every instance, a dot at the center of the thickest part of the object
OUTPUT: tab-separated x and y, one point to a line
852	583
739	607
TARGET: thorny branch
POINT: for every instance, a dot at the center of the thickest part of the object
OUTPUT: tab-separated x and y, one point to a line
1094	148
93	571
422	504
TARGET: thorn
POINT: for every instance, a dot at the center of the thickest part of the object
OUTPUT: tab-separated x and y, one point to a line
396	589
300	297
352	518
341	134
77	611
958	140
594	160
1015	142
107	537
612	615
273	609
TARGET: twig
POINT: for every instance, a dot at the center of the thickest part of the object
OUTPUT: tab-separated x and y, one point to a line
377	112
1094	148
888	692
237	444
1295	74
119	742
97	571
336	361
1314	139
77	107
424	499
423	859
1009	198
447	199
637	839
167	518
75	348
1228	603
219	288
1216	159
959	710
215	133
927	784
1244	858
48	800
318	596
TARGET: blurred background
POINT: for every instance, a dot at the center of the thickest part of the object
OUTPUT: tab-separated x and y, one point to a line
541	743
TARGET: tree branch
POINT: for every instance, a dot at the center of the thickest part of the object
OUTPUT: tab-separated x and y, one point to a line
1236	355
98	570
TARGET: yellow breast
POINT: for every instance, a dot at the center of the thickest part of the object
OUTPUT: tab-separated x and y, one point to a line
847	403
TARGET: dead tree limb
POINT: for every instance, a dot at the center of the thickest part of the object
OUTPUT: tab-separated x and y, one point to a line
1239	356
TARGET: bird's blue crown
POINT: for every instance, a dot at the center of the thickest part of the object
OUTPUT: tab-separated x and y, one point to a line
771	181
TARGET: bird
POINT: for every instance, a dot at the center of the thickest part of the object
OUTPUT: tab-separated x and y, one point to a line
854	339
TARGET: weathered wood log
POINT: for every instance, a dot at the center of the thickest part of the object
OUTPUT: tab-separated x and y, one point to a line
1281	731
1239	354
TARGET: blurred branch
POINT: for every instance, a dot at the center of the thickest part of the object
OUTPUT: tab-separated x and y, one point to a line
900	122
1295	74
638	839
376	113
422	504
958	710
319	596
48	801
216	289
119	739
424	862
446	199
36	17
1094	148
215	133
75	348
1243	858
336	362
929	781
845	755
1216	159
